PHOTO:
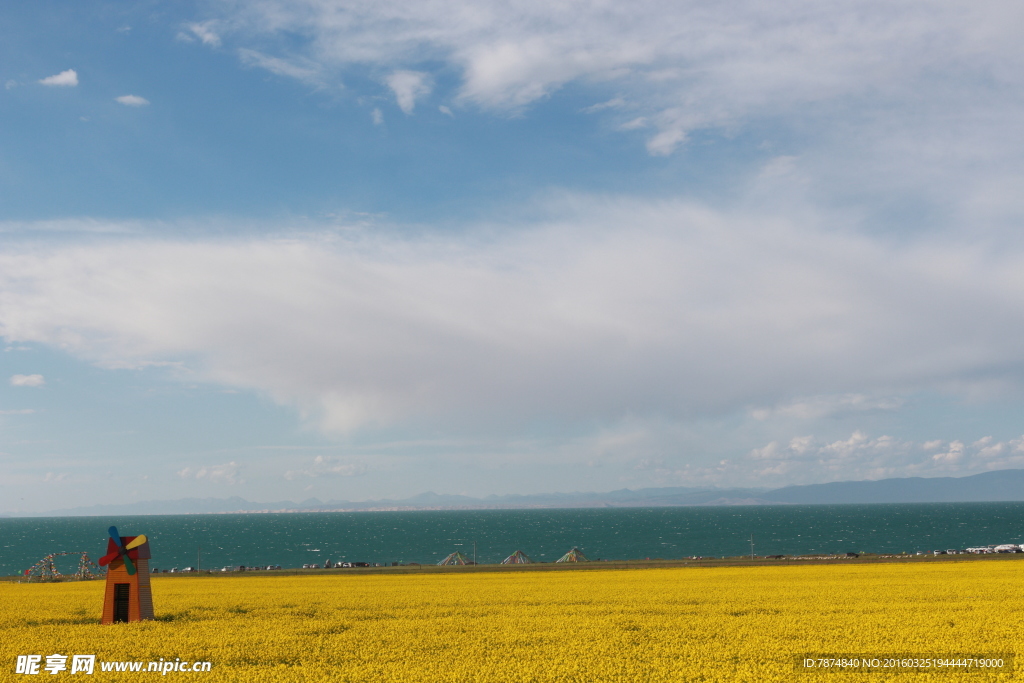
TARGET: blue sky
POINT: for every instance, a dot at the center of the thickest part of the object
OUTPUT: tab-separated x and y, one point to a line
358	250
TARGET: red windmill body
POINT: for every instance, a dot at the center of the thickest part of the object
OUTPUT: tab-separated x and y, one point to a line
128	596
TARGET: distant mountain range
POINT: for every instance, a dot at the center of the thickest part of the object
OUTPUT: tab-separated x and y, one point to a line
1000	485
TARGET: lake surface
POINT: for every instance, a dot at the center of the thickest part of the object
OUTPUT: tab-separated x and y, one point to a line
294	539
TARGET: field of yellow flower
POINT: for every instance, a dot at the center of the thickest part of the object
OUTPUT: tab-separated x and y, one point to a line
683	624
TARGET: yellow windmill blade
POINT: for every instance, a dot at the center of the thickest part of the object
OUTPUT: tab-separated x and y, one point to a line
136	542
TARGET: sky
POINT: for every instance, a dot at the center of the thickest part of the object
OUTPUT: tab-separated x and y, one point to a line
356	250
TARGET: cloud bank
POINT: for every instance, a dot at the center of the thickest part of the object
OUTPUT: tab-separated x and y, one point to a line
620	309
860	456
675	67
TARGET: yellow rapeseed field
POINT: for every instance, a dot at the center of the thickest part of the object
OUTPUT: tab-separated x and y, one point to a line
685	624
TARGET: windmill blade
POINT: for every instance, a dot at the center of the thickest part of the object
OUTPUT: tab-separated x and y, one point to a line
110	557
139	540
122	551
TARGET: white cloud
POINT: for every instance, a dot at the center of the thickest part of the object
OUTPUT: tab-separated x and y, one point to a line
70	226
614	103
445	110
687	65
800	444
65	79
27	380
218	474
409	86
817	407
205	32
611	308
298	68
770	451
649	464
665	142
810	460
132	100
994	451
377	117
953	455
324	466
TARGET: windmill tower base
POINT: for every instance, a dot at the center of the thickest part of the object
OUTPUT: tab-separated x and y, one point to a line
128	597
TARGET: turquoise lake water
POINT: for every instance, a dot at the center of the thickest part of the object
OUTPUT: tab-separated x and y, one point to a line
292	540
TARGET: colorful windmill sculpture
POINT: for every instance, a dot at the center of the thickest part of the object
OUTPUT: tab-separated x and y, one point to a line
455	558
574	555
127	596
518	557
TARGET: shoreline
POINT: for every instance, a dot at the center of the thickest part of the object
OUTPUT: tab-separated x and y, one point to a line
596	565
